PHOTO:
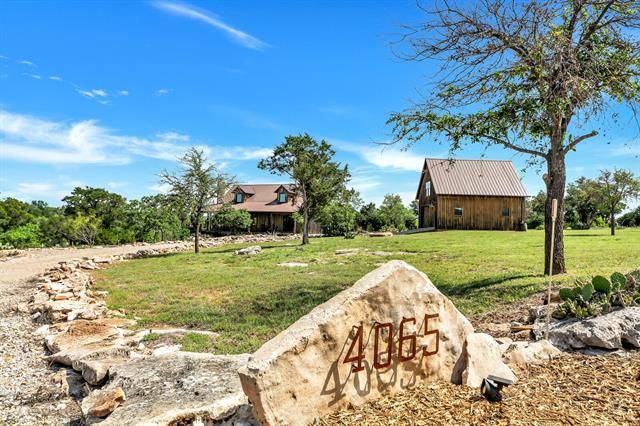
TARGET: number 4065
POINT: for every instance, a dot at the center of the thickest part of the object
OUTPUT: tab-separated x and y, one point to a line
407	344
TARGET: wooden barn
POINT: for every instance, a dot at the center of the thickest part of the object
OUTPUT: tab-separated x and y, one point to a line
471	194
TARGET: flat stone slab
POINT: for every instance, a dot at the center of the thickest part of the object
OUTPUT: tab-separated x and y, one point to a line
614	330
390	331
178	388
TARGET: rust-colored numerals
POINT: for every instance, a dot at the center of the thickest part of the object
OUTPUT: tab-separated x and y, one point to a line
376	341
357	339
402	338
428	332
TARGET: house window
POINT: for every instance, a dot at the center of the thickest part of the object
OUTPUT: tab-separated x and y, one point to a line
457	211
282	197
506	212
239	197
427	189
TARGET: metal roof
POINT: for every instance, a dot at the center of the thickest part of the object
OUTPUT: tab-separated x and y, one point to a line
496	178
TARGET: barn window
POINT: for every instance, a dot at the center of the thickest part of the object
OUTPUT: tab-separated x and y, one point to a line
239	197
282	197
427	189
457	211
506	212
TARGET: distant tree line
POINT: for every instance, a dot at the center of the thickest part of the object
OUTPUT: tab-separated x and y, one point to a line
90	216
594	202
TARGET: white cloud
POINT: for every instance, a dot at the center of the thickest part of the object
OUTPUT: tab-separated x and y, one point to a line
33	140
162	188
205	16
385	156
35	188
173	137
94	93
4	57
55	78
27	63
162	92
363	183
123	92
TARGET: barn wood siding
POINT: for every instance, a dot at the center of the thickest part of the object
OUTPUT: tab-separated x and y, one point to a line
426	214
479	212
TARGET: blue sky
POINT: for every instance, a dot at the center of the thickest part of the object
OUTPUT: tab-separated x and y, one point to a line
109	93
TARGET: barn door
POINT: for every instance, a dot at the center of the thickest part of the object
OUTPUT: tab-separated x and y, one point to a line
429	216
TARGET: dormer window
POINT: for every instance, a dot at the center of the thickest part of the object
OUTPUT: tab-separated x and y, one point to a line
282	197
239	197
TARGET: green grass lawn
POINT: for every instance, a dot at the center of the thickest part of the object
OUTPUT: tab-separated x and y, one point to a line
249	300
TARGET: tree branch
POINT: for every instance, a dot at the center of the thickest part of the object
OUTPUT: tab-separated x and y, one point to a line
572	144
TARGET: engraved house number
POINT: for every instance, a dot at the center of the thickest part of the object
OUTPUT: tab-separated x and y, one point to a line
407	344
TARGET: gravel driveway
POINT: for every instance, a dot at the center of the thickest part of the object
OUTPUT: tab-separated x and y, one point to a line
27	393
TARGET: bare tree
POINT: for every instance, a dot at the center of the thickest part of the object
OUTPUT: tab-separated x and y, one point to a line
198	185
529	76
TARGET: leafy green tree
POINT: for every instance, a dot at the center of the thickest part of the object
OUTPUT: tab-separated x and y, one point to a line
337	219
226	217
318	179
395	215
56	229
14	213
369	218
107	206
581	203
614	189
631	218
198	185
528	76
535	210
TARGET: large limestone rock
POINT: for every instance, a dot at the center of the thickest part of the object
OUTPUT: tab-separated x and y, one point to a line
91	347
311	369
178	388
614	330
483	358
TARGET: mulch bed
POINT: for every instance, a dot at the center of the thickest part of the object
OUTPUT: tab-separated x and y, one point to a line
574	389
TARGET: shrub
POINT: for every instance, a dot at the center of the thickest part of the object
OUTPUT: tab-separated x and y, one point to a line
337	219
24	236
228	218
535	220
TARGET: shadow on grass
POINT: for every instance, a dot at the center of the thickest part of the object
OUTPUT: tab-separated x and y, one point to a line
486	283
585	235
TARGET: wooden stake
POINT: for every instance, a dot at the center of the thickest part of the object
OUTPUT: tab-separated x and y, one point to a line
554	213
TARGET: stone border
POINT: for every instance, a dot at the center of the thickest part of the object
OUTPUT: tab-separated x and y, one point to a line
83	334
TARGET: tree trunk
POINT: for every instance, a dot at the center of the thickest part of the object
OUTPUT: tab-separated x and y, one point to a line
197	235
555	180
612	223
305	225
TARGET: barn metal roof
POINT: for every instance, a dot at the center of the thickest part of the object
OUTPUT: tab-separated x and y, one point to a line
474	177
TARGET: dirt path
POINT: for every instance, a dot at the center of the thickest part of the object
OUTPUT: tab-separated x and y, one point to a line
27	393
